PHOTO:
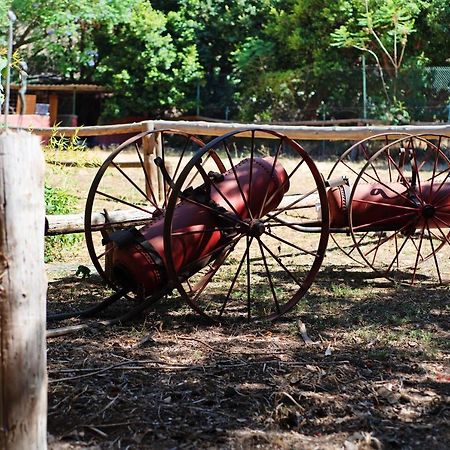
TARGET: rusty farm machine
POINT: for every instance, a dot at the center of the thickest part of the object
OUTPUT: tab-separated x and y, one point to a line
244	236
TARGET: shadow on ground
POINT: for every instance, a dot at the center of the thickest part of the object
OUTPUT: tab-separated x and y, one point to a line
374	375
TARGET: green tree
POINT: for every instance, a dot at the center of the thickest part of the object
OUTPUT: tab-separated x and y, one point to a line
289	70
124	44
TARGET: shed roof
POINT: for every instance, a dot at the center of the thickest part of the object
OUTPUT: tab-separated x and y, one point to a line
64	87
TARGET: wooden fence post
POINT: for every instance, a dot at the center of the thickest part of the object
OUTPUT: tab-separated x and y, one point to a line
23	284
149	147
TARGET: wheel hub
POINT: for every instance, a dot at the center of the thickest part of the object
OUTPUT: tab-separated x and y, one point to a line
428	211
256	228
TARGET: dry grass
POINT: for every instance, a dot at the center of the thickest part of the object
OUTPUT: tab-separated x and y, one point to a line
375	376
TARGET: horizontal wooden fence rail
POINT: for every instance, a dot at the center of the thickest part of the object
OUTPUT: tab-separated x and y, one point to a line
333	133
152	148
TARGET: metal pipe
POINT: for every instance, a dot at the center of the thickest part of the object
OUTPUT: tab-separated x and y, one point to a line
12	18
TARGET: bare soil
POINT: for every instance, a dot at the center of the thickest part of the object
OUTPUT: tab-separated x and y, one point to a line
360	363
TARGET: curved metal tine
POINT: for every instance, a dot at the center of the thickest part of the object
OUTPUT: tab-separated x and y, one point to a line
291	244
285	181
269	277
275	159
434	254
233	168
124	202
238	271
249	300
147	179
419	255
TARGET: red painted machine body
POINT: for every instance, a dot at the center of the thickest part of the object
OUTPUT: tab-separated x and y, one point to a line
390	207
196	234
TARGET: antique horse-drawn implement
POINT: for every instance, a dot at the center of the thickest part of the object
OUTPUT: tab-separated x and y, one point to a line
245	237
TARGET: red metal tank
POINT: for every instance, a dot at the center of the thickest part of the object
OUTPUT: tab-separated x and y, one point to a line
140	261
390	207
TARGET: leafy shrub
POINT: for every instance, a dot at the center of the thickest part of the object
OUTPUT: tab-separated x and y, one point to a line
59	201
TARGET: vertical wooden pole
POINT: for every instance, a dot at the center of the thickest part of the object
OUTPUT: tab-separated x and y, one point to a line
158	149
53	109
23	284
149	149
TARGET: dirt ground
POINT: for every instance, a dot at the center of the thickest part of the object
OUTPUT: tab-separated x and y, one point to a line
360	363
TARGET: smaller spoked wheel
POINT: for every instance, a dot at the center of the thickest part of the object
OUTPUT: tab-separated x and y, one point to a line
347	168
130	189
248	243
399	213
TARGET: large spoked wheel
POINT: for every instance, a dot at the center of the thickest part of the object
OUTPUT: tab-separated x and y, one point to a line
348	167
125	192
399	214
259	243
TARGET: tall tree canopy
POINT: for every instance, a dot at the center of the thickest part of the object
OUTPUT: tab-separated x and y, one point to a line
248	59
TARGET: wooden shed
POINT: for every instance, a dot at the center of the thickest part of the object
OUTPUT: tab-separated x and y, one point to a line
64	104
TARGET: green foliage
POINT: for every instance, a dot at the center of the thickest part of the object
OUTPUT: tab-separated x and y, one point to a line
59	201
256	59
382	30
123	44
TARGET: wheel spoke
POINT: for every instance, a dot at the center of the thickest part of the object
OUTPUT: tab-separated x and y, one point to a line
378	222
238	182
395	234
433	251
249	316
275	159
269	277
400	172
233	282
212	183
133	183
278	260
147	180
419	255
203	282
124	202
290	205
203	231
285	182
284	241
370	202
367	159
